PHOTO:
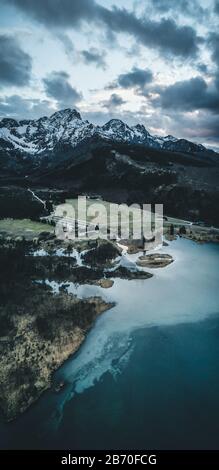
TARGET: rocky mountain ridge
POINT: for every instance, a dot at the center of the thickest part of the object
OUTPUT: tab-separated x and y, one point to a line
66	129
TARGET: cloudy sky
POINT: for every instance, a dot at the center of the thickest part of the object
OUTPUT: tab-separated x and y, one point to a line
150	61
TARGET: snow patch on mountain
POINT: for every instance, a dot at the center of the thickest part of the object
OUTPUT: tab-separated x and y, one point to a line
42	136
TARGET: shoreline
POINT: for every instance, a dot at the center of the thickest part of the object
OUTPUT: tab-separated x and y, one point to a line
41	329
32	357
114	329
17	397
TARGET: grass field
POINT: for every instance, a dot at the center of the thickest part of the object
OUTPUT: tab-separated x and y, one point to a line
23	227
138	213
99	211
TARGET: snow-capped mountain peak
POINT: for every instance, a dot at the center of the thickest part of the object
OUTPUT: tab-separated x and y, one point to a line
65	115
39	137
115	129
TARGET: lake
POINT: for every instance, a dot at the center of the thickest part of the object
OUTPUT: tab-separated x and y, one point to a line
147	376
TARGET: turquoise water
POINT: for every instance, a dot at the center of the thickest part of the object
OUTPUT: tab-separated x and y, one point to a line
147	375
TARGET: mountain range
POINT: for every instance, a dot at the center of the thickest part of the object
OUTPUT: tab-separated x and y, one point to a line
65	155
50	139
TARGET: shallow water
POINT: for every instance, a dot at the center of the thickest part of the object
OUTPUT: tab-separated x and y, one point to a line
147	375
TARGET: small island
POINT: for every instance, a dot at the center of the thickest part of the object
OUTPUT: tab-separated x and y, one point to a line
42	326
155	260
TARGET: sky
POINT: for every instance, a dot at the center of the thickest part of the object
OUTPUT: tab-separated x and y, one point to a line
154	62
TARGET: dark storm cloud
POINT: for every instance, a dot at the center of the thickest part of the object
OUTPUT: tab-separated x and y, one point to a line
67	44
213	41
206	126
216	7
189	95
89	56
58	87
15	64
93	56
136	78
216	81
113	102
187	7
202	68
56	12
165	34
23	108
